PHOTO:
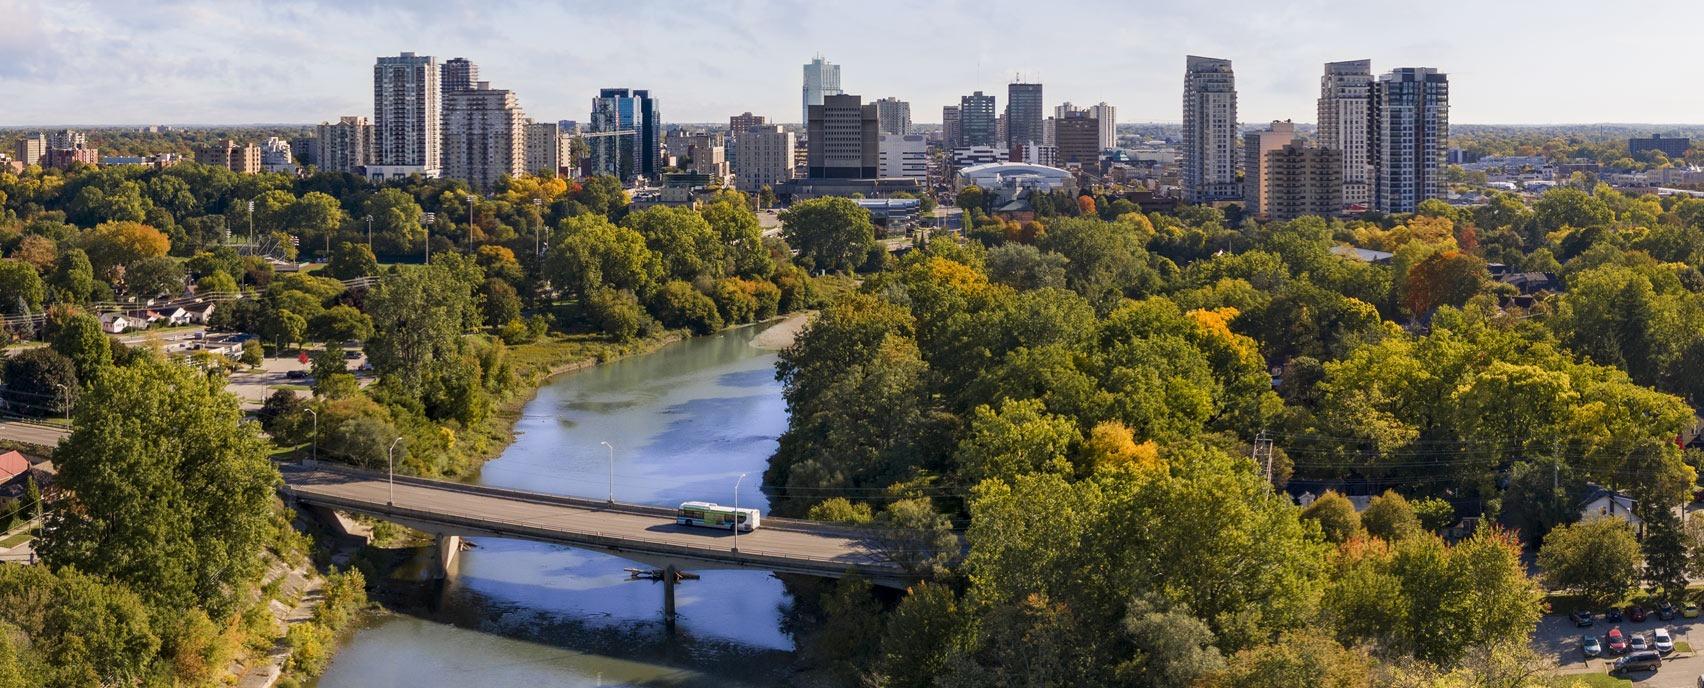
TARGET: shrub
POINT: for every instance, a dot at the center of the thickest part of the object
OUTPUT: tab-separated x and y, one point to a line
615	313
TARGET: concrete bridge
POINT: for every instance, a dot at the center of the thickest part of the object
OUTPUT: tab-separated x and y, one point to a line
645	534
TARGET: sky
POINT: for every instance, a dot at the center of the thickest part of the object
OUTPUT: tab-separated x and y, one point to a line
306	61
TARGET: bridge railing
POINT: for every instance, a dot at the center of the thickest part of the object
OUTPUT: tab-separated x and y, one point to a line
532	530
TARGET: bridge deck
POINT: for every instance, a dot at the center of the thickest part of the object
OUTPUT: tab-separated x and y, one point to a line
468	509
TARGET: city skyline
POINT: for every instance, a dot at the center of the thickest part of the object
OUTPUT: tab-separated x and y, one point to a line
94	64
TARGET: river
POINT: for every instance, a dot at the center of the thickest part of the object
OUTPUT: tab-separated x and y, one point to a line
684	422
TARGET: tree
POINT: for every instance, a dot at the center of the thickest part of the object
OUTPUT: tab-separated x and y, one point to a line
916	536
1665	553
499	303
41	382
1598	557
922	632
217	282
616	313
73	276
1172	647
690	248
150	277
1389	516
183	522
1336	516
677	304
340	323
396	219
350	260
81	339
1435	514
113	245
1018	439
418	318
284	327
841	510
1447	278
253	354
85	631
1298	658
766	197
21	289
1022	266
588	252
830	233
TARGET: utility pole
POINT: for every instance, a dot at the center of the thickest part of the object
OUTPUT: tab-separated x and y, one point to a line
1263	448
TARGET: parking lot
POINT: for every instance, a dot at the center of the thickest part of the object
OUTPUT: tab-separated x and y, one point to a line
1559	639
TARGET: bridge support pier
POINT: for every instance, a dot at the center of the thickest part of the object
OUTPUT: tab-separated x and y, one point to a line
670	577
449	549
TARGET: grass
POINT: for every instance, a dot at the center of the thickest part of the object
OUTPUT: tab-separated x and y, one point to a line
1590	681
17	538
1682	646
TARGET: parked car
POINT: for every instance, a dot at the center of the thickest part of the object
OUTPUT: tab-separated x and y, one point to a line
1666	611
1662	641
1590	647
1616	641
1637	643
1581	618
1635	613
1612	616
1690	611
296	374
351	355
1638	661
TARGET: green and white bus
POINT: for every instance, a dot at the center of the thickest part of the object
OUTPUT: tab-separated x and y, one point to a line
711	515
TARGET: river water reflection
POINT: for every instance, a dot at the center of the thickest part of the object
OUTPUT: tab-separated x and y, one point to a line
684	422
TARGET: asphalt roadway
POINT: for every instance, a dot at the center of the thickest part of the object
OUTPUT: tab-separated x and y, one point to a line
573	522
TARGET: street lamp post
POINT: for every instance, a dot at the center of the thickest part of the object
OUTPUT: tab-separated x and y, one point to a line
470	222
369	232
315	455
391	453
64	400
611	449
737	512
538	226
426	227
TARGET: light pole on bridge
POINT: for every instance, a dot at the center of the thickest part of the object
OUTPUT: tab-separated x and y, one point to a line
611	449
391	454
737	512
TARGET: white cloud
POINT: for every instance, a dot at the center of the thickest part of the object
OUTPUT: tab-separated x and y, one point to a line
231	61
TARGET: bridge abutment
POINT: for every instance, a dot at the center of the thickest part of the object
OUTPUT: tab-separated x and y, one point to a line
449	550
671	575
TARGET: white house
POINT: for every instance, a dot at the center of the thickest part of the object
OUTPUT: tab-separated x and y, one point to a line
199	313
114	323
1601	503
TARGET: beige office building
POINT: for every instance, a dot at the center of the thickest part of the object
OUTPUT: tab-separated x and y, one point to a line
1345	102
544	148
765	157
344	147
1256	144
485	136
244	159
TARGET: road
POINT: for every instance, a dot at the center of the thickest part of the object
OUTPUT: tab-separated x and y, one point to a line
1559	639
32	433
640	530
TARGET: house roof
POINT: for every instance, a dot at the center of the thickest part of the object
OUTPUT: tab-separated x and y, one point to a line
12	465
1362	254
1596	492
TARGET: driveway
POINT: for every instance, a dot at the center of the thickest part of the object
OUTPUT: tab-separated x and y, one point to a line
1559	639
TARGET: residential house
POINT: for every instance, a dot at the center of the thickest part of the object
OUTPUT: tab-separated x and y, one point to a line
1600	502
1532	282
14	468
115	323
199	313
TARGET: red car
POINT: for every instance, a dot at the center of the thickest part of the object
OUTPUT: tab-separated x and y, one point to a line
1615	641
1636	613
